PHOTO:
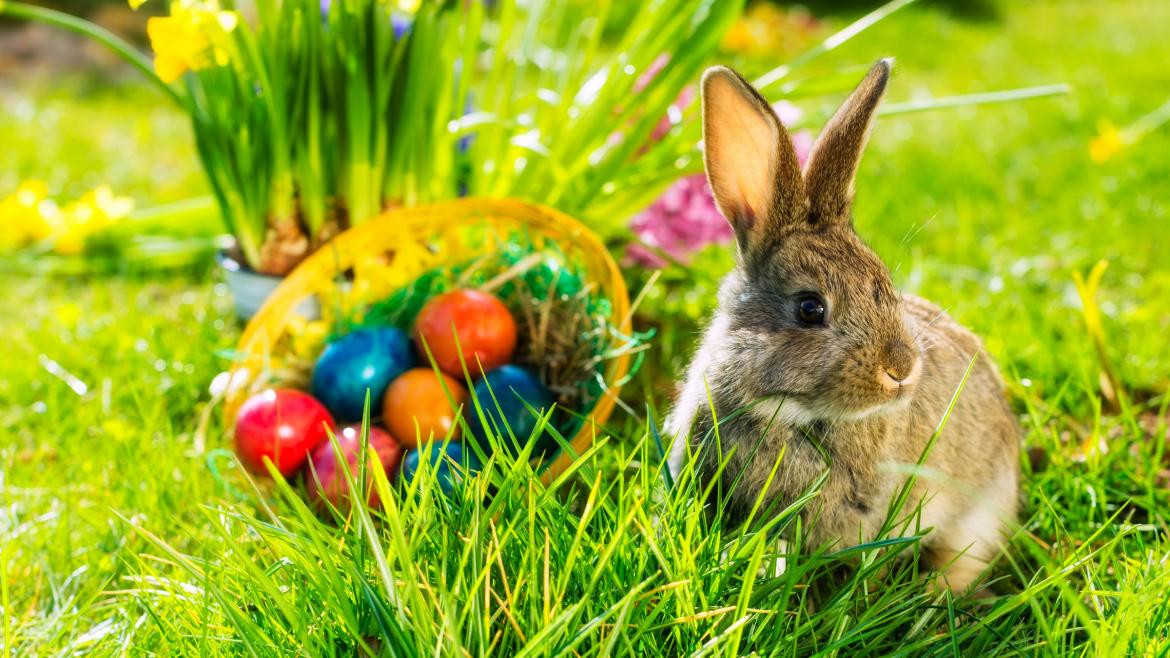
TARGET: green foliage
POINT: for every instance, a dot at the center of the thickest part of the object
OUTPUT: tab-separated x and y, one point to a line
306	121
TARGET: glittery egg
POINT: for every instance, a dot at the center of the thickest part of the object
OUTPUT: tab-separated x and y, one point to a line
505	394
325	480
367	359
421	405
282	425
466	325
443	460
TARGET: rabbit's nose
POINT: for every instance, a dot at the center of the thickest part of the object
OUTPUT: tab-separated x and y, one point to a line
902	366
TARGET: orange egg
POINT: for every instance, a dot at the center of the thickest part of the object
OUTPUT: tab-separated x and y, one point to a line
486	332
416	405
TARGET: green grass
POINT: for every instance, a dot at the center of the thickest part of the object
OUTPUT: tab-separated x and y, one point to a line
123	528
141	145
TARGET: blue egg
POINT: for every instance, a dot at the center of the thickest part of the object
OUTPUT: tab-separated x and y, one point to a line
365	359
441	458
502	393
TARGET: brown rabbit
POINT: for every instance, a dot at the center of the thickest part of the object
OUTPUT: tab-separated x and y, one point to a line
813	361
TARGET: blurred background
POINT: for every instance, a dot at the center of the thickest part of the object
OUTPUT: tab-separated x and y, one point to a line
990	208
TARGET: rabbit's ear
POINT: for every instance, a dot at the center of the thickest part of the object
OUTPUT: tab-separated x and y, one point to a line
750	160
832	162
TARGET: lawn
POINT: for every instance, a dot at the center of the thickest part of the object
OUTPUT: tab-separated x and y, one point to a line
125	526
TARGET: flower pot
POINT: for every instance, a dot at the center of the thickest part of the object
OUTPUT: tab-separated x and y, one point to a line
250	289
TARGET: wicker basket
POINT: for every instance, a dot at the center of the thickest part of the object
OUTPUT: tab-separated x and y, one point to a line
430	229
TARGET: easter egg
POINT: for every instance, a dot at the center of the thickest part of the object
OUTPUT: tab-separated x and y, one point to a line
416	406
443	460
485	329
282	425
502	394
367	359
326	481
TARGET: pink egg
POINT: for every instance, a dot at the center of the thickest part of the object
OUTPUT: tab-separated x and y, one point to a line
325	480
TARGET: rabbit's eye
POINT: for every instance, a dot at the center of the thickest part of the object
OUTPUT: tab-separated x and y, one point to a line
810	310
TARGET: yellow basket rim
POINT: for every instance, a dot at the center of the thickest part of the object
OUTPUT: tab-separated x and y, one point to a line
303	279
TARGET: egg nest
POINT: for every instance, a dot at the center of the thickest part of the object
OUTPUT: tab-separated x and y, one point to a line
566	332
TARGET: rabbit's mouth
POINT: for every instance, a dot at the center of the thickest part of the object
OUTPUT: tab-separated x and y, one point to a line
887	393
860	412
847	404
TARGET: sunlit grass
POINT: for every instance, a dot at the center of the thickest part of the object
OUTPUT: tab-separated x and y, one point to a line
123	523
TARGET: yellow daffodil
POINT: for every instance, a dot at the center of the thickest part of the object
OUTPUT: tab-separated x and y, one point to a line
24	215
739	38
29	216
77	221
1107	143
1110	139
766	28
102	199
193	37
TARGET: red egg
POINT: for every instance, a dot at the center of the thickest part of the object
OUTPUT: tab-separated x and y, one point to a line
325	480
485	329
417	404
283	425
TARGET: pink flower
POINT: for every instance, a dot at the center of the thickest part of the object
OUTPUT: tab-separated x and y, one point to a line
651	71
685	219
802	140
787	112
680	222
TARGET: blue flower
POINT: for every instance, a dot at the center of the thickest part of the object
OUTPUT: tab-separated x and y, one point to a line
401	24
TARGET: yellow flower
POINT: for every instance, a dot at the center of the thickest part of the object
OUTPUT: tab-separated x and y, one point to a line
765	28
29	216
190	39
94	211
102	199
1107	143
738	38
24	215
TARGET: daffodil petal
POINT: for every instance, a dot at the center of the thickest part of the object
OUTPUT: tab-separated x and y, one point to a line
168	68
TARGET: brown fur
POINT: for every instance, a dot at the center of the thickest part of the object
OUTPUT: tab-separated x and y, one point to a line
856	400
